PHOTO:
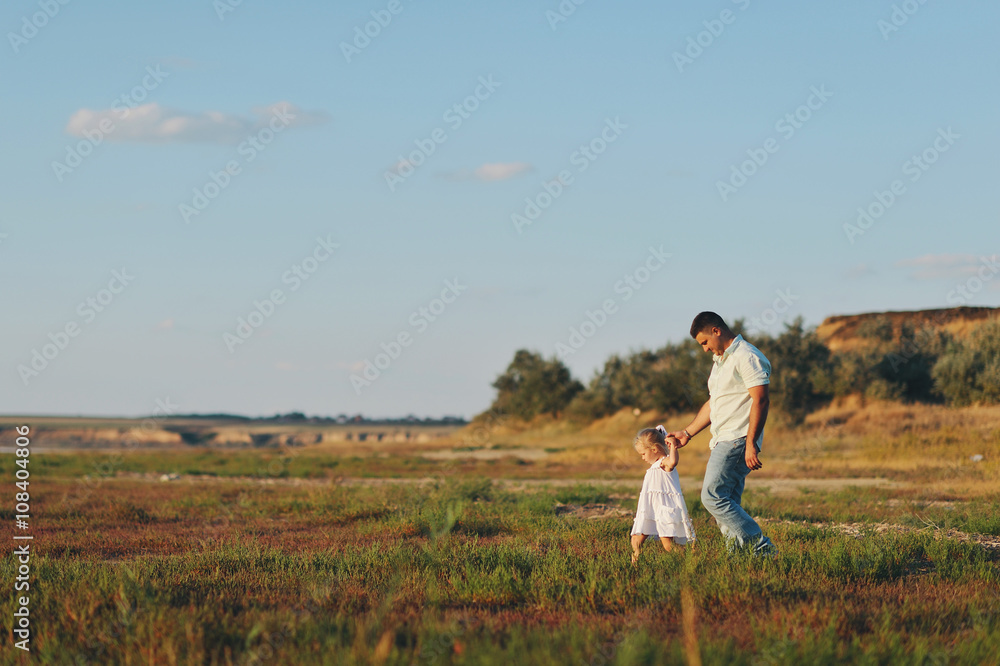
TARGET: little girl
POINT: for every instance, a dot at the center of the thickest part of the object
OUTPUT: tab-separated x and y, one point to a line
661	512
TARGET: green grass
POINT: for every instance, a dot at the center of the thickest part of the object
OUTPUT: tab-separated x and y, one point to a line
582	494
278	464
462	571
868	505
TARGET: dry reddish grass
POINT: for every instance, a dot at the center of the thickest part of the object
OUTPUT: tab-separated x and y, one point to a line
214	560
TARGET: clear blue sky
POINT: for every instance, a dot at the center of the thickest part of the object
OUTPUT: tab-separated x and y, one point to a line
886	95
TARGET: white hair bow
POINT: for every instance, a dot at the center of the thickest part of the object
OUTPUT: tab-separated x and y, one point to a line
662	430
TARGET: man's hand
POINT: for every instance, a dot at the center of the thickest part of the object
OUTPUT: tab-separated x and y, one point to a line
753	462
681	437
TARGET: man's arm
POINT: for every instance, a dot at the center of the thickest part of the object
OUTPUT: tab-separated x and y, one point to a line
761	401
700	422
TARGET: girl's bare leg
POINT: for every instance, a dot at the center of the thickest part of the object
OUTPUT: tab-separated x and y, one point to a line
668	544
637	540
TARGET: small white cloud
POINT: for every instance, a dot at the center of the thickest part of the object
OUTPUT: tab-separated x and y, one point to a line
152	123
945	266
501	170
860	271
491	172
937	260
400	165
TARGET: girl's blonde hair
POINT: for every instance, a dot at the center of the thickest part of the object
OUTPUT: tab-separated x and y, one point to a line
651	438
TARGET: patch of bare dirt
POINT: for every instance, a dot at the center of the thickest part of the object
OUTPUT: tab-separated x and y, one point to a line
860	530
485	454
591	511
923	504
785	486
688	483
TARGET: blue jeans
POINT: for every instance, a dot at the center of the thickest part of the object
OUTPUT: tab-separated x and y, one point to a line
722	491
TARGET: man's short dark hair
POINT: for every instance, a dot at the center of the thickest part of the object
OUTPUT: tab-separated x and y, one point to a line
706	320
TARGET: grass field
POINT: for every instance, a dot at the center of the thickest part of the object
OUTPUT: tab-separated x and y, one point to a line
345	555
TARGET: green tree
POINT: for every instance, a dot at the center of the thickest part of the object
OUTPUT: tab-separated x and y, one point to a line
800	370
852	372
532	385
969	370
876	328
893	369
908	365
672	378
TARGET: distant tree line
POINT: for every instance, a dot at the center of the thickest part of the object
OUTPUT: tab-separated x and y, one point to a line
925	365
341	419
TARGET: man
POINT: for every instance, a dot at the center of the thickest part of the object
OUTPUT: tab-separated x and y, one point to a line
737	410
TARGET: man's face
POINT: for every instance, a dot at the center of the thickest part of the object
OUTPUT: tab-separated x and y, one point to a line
711	341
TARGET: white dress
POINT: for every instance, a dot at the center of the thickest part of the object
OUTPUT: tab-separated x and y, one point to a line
661	511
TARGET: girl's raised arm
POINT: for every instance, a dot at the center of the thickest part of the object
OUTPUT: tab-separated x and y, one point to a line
673	455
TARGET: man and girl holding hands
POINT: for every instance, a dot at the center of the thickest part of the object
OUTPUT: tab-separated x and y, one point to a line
736	411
